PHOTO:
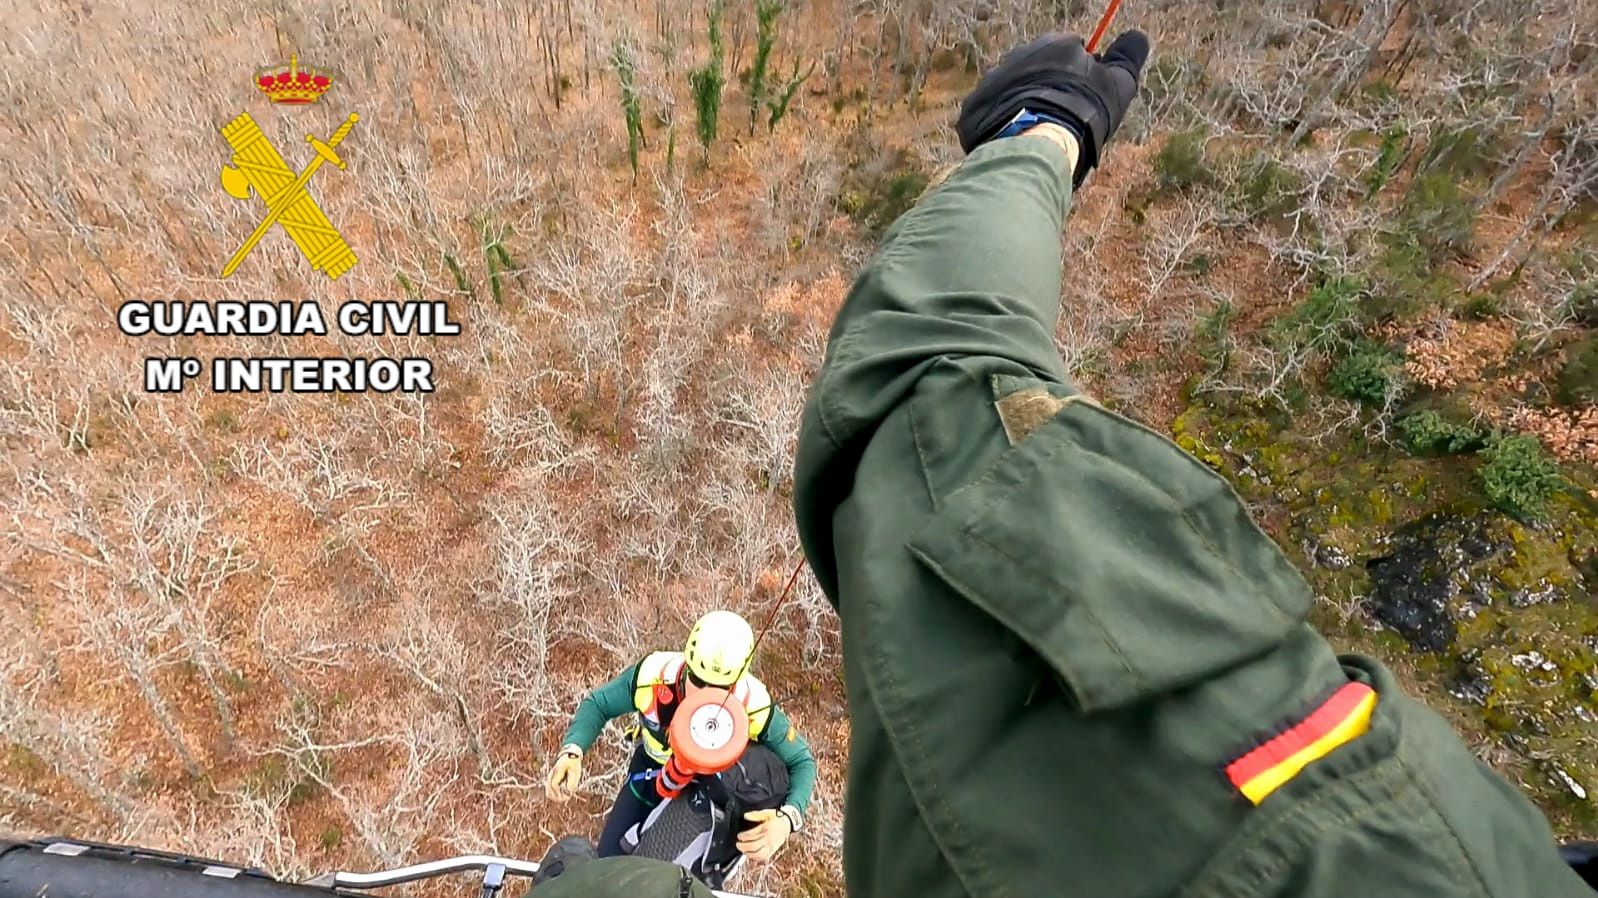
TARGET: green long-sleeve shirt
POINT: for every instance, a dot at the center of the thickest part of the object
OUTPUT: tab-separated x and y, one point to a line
1063	637
615	699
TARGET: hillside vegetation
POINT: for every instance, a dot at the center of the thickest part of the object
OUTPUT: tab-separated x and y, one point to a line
1344	252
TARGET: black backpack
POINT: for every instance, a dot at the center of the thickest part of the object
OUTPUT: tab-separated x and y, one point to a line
568	853
698	830
758	782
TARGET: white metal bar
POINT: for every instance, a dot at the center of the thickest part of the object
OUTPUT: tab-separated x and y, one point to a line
430	869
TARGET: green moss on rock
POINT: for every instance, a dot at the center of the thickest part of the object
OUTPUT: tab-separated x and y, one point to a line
1503	609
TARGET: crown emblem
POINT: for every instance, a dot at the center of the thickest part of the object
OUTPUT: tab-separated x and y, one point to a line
292	85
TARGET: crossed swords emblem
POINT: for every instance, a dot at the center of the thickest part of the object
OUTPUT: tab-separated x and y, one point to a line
257	167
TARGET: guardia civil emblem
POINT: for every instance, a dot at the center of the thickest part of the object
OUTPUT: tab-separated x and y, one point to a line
258	169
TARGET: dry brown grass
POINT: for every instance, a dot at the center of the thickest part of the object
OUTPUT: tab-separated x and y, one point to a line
396	602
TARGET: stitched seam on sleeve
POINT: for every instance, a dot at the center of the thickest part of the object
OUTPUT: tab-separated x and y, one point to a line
1182	510
1265	869
824	392
903	736
921	458
1084	607
1478	883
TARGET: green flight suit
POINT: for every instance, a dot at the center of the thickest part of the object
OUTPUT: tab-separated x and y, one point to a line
1059	628
623	877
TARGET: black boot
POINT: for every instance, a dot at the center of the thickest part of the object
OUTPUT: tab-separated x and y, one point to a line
1583	858
568	853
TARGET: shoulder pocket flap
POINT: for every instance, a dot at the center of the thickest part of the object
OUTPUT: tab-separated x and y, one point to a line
1128	565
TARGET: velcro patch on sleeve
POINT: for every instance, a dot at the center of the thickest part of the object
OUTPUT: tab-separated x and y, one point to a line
1024	411
1342	718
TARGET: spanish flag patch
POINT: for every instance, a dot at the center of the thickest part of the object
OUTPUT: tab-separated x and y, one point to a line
1338	720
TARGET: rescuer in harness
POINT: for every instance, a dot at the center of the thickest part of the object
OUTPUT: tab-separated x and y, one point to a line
718	653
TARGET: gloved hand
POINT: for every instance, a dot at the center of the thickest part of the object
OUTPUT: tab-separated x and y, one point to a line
565	775
1055	76
762	842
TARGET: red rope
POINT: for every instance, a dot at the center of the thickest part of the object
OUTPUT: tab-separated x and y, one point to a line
766	627
1104	25
772	617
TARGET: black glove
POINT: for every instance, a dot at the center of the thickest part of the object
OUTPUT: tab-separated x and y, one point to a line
1056	77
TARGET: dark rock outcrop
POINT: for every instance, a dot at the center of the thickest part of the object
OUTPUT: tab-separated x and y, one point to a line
1430	576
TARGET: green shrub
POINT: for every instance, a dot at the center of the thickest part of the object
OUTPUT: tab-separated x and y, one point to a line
1518	476
1379	91
408	286
496	257
1580	265
1583	304
1394	147
621	58
1326	321
1467	152
223	420
1406	280
1172	74
779	106
1212	334
896	196
1266	187
876	192
1429	433
1578	378
463	285
766	12
706	84
1482	306
1180	164
1368	374
1439	215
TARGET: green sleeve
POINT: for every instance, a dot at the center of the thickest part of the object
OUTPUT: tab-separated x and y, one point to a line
782	737
972	271
1059	629
599	707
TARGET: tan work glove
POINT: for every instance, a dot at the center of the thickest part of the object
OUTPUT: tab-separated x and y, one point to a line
762	842
565	775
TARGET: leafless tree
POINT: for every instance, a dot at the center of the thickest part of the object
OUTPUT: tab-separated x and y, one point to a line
125	631
442	664
68	741
1573	175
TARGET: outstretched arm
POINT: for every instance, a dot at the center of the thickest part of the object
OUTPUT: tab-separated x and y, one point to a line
1073	660
598	708
974	270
